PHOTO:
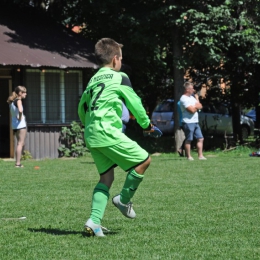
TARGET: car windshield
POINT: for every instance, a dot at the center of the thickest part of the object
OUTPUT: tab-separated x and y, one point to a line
165	106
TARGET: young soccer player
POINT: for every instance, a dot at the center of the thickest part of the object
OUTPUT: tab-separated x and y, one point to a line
100	111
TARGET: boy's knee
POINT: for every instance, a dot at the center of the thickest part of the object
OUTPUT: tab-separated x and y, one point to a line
140	169
149	160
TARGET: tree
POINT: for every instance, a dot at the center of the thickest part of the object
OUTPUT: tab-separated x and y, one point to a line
229	34
216	38
165	38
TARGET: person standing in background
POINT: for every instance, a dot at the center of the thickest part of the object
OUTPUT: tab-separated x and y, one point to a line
190	120
18	120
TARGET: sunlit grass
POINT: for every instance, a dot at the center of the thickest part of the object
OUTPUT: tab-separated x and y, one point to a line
185	210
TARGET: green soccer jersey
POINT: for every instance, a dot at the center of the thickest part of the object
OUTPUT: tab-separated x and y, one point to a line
100	107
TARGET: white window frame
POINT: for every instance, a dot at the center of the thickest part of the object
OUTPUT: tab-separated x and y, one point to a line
62	90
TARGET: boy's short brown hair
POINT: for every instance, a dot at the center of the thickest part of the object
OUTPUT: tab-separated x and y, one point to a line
106	49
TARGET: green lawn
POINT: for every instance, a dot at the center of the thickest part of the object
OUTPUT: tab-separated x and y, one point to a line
185	210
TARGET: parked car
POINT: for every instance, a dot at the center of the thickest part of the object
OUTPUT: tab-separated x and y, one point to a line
252	114
163	116
213	119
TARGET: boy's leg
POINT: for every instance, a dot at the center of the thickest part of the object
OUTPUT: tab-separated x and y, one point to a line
132	158
133	179
98	206
100	194
99	202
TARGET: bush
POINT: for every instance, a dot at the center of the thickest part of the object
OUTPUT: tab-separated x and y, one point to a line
72	141
26	155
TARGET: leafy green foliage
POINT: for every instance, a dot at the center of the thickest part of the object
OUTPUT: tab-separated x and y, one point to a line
163	39
26	155
72	139
210	33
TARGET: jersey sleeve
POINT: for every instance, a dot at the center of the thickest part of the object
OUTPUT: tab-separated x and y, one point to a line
133	102
82	108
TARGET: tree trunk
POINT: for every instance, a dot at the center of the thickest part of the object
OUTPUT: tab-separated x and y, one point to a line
178	85
257	111
236	114
236	110
257	98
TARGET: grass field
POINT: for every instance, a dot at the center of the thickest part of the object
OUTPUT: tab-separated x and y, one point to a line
185	210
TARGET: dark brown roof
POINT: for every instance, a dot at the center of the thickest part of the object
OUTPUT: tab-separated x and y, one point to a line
32	40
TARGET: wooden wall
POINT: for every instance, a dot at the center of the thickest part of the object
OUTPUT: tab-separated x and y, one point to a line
43	141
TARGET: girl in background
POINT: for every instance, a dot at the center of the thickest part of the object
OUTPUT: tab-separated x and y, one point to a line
18	120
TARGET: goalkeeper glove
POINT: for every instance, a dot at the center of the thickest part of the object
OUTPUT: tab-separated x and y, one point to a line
152	131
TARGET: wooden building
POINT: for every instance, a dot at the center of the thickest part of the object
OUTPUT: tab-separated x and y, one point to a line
54	64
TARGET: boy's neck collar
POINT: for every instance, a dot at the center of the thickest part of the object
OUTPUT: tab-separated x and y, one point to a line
106	68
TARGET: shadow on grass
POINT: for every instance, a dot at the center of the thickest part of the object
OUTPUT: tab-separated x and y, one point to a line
59	232
54	231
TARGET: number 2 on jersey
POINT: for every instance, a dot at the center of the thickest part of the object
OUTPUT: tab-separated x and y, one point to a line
102	86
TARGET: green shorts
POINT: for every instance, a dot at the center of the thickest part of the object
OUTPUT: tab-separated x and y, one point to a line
127	155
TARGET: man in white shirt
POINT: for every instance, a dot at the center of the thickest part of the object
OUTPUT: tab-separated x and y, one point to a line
190	120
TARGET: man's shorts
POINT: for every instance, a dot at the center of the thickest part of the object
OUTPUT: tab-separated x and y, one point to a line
127	155
190	130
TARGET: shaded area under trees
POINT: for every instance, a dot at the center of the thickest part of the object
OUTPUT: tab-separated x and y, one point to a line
163	39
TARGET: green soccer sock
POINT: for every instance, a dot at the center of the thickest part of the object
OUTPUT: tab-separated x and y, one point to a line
133	179
99	202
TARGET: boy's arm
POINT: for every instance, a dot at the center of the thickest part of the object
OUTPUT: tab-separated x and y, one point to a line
152	131
134	104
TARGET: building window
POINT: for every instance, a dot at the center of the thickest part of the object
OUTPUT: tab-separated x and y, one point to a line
53	96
